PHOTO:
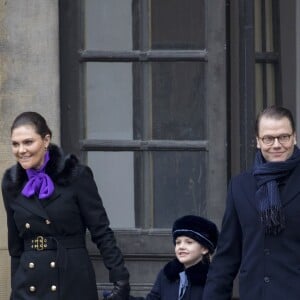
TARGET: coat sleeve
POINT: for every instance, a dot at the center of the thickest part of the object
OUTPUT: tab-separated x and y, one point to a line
226	262
15	243
96	220
155	293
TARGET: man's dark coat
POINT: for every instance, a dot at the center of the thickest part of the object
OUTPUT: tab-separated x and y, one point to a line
268	266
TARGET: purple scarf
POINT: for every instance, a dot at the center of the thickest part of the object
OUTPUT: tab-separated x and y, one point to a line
39	182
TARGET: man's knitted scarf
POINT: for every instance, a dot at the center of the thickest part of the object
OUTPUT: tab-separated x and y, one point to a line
267	175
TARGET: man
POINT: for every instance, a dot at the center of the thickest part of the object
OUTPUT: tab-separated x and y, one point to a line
260	236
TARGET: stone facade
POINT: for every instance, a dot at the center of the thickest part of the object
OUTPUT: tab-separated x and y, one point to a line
29	80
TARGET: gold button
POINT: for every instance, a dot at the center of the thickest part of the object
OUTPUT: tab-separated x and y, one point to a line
32	289
27	225
53	288
52	264
48	222
31	265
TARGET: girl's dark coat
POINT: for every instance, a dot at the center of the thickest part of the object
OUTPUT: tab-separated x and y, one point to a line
166	286
269	267
74	207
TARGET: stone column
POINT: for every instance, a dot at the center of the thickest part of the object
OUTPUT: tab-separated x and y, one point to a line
29	80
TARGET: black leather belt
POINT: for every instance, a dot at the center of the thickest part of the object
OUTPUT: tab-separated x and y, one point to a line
40	243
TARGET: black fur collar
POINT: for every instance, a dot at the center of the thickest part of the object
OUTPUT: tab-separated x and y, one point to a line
62	169
196	274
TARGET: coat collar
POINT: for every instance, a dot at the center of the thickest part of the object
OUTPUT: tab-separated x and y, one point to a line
60	168
196	274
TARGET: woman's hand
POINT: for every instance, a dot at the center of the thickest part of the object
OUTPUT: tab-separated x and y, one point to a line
120	291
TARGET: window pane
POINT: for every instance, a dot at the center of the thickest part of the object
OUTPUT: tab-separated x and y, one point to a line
114	177
270	83
264	85
178	110
177	24
99	32
179	185
269	26
259	87
109	101
258	25
264	27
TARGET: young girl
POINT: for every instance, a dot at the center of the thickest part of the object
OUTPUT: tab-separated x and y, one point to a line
195	239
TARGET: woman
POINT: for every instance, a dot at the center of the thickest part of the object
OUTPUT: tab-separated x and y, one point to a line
184	277
51	200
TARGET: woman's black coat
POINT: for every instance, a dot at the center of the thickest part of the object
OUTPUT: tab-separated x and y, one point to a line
166	286
66	272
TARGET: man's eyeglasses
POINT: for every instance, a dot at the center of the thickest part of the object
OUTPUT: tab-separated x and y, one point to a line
282	139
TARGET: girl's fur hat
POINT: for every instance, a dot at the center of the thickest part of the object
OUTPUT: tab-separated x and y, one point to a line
204	231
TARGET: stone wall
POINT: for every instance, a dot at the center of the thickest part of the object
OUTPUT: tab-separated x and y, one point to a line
29	80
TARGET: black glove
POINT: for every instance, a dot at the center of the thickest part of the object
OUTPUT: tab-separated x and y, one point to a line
120	291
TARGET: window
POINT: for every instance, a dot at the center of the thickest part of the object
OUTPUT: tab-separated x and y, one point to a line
267	56
150	95
138	108
255	63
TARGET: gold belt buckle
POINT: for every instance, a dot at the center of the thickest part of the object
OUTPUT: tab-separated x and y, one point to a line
39	243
